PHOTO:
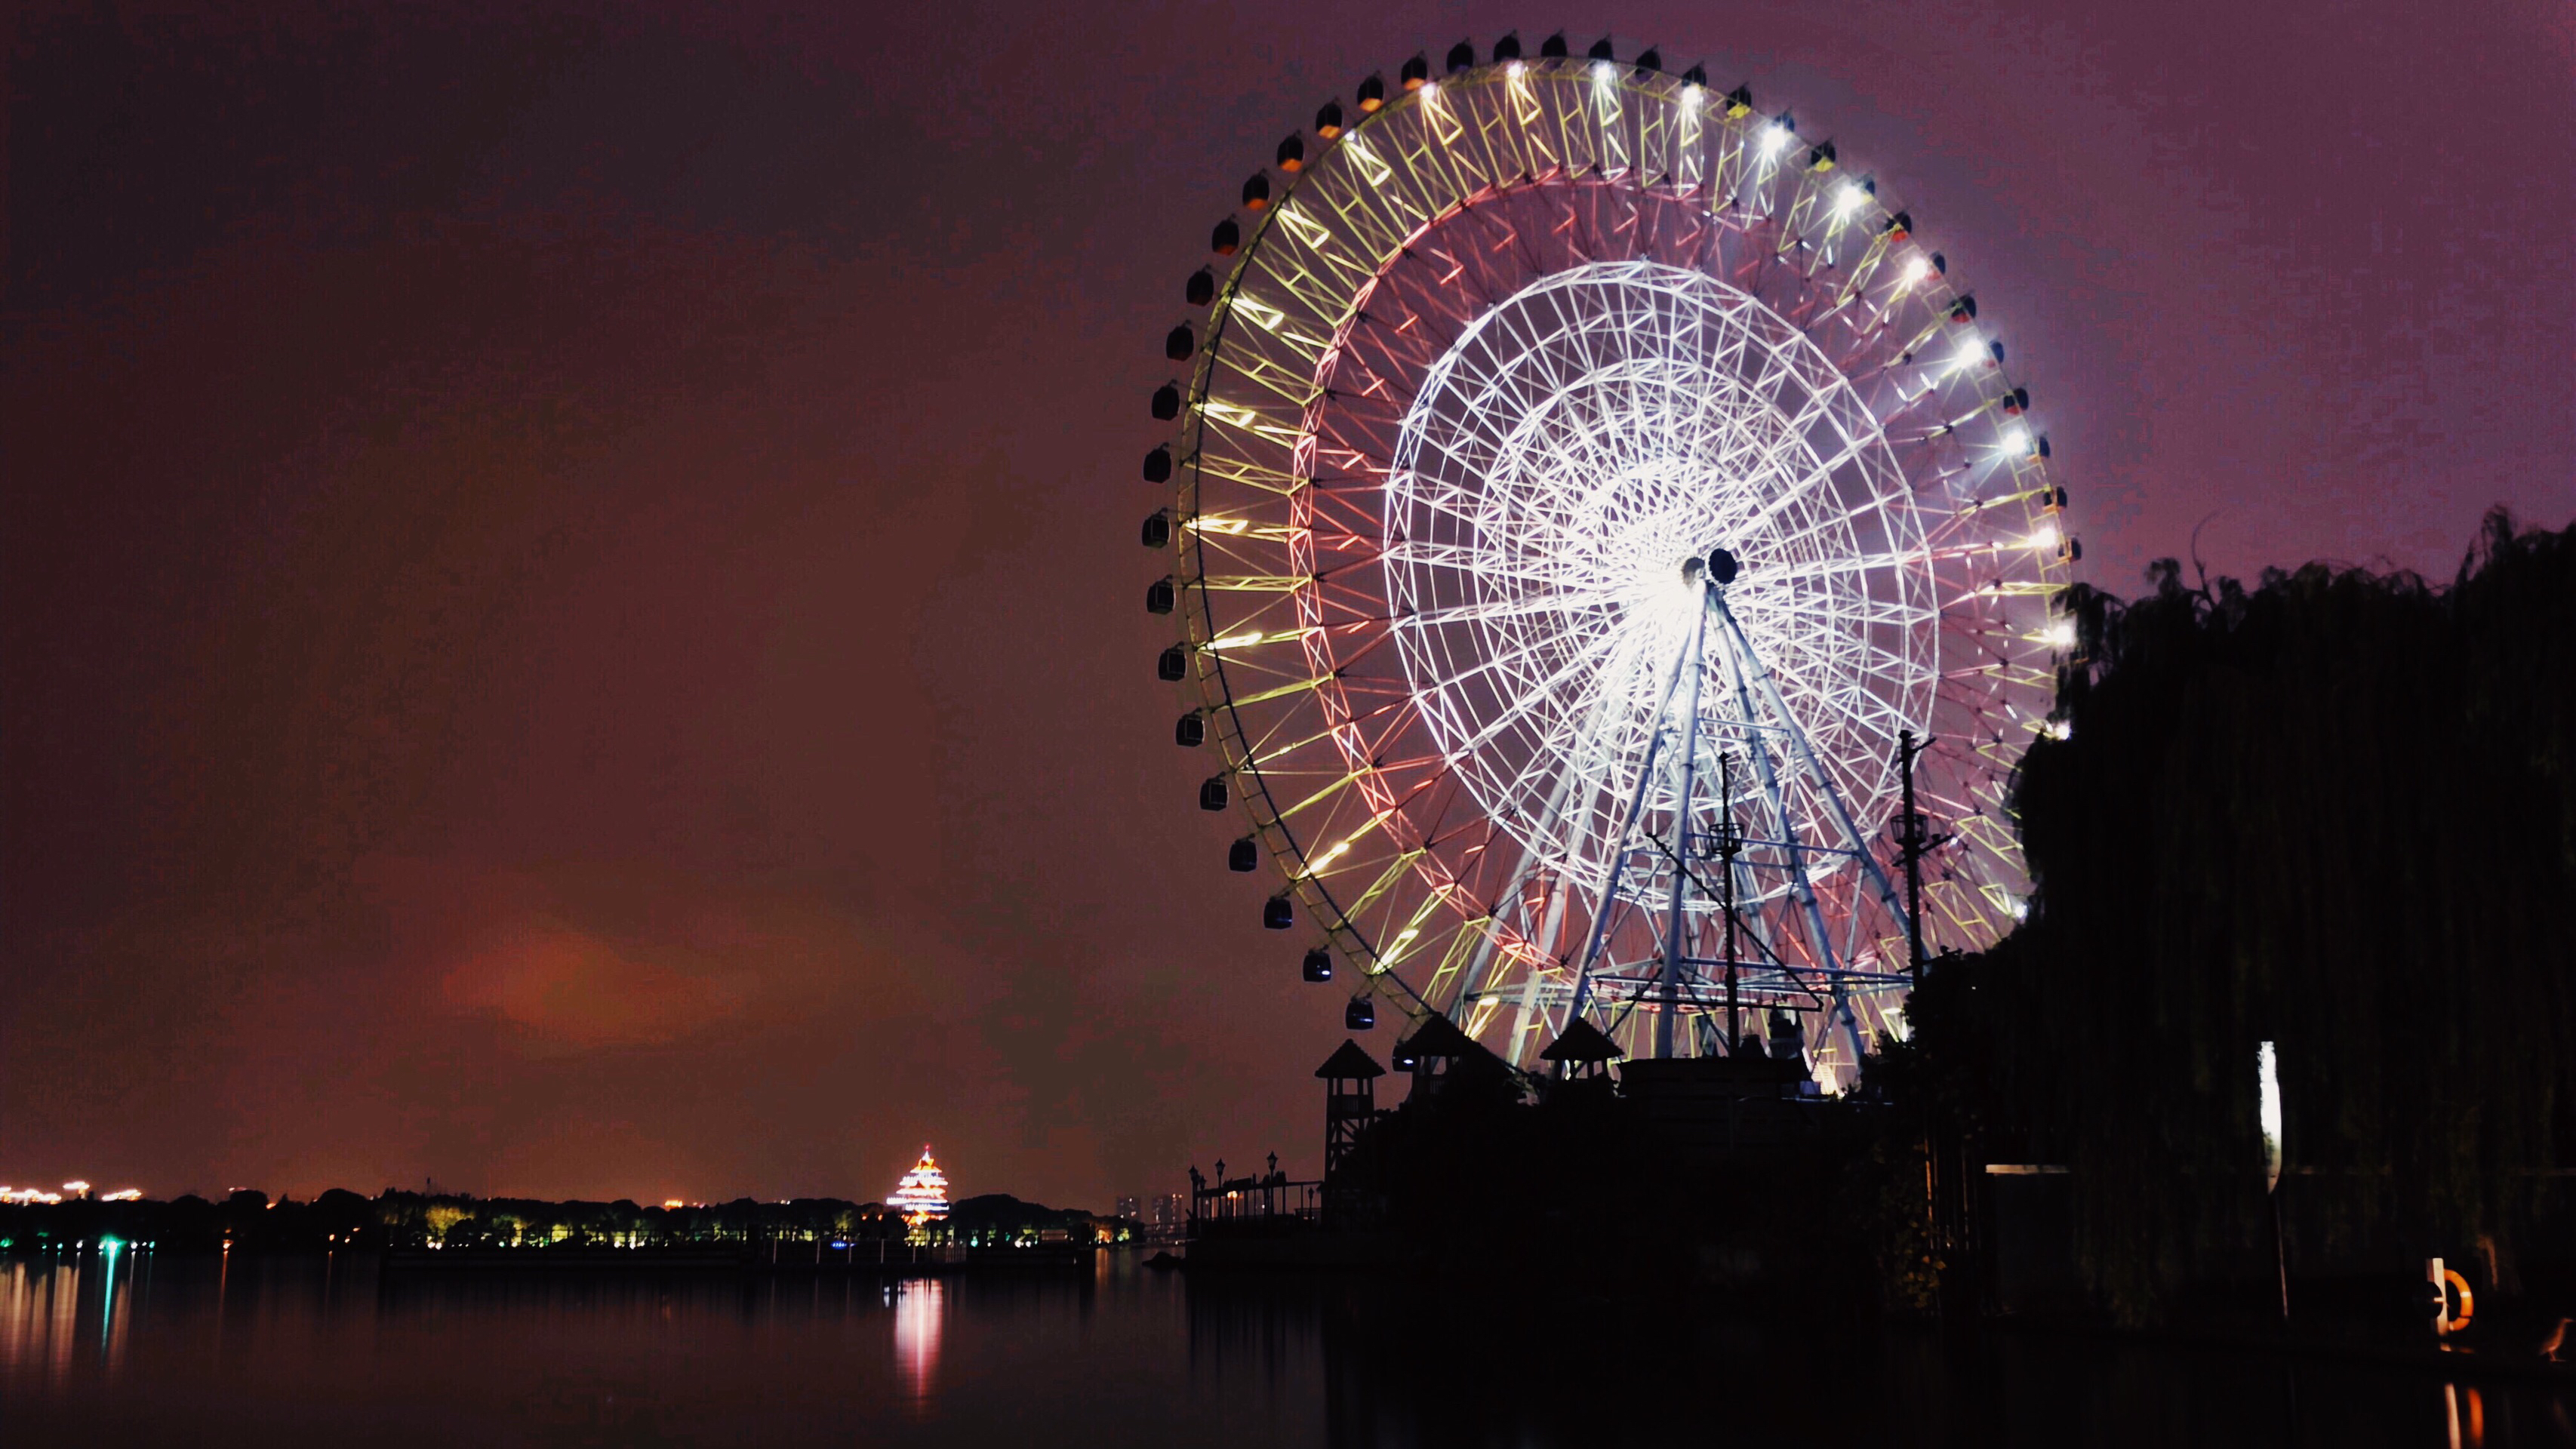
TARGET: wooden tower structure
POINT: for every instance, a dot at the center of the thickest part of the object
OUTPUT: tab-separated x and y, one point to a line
1350	1102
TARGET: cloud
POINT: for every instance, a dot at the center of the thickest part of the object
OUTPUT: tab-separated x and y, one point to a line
564	989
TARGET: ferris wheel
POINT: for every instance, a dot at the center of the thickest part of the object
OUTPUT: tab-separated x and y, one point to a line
1593	510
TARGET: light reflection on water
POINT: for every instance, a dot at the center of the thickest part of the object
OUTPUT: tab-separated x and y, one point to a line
917	1310
144	1349
184	1350
45	1307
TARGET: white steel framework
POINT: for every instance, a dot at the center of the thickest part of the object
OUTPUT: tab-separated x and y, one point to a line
1473	408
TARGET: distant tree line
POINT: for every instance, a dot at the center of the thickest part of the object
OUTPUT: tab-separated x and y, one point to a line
338	1219
2335	812
1001	1220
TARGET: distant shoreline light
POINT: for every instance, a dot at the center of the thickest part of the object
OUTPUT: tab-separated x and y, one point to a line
74	1190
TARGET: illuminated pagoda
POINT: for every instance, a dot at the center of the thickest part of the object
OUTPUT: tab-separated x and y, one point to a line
922	1196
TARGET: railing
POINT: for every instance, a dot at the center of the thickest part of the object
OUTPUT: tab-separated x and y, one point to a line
1246	1203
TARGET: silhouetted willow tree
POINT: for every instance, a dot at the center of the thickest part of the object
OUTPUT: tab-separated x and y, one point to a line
2336	812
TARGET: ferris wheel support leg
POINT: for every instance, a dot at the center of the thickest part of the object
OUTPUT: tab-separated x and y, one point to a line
1619	853
1746	667
1521	1014
1549	925
1675	921
1750	662
1560	896
1610	884
1815	769
1850	1025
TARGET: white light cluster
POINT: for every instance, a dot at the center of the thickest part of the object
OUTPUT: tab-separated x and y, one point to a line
1547	485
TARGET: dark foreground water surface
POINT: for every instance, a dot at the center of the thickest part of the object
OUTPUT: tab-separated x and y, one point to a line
183	1351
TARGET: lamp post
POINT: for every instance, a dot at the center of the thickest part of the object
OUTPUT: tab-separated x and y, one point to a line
1730	844
1914	841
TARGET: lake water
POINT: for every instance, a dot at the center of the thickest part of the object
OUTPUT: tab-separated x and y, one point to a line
177	1351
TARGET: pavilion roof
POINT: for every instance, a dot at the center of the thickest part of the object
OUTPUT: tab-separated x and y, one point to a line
1581	1041
1437	1036
1350	1061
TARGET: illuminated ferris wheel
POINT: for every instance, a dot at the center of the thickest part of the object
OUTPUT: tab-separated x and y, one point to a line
1586	490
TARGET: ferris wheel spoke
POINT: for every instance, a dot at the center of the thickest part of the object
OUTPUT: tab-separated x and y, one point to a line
1530	701
1465	561
1863	612
1570	601
1269	747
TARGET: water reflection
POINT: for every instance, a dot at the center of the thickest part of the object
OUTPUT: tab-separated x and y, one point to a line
153	1351
145	1349
112	1324
54	1309
918	1308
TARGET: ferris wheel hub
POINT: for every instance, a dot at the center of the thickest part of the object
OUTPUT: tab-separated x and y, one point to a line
1718	566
